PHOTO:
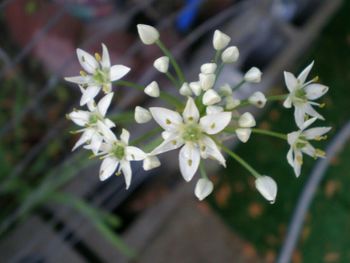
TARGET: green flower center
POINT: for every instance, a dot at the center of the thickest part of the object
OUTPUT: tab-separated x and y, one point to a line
191	132
93	119
299	95
101	76
118	151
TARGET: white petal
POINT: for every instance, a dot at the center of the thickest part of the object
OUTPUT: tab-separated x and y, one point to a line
162	64
291	81
267	188
293	137
308	123
171	143
253	75
204	187
87	61
86	136
142	115
208	68
220	40
315	91
230	55
258	99
211	97
313	133
185	89
117	72
225	90
104	103
298	160
190	112
167	119
243	134
303	75
299	115
109	123
215	123
290	157
312	112
209	149
232	103
106	61
109	136
79	79
206	81
126	169
288	102
309	150
152	89
148	34
150	162
95	143
79	117
134	154
108	167
189	158
196	88
213	109
89	94
125	136
246	120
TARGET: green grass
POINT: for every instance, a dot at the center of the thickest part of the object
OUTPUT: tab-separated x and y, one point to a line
325	237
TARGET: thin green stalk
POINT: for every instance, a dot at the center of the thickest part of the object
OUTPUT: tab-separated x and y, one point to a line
163	95
270	133
202	171
172	79
217	56
146	135
173	62
239	85
268	98
240	160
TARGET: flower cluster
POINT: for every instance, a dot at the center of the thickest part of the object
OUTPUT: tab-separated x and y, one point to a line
198	121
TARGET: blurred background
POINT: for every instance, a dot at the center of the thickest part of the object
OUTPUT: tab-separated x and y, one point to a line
53	207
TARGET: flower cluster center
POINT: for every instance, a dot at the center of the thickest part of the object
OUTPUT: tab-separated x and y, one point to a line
191	132
118	151
101	76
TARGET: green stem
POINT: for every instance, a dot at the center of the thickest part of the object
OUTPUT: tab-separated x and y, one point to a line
163	95
240	160
217	56
270	133
268	98
173	62
146	135
172	79
202	170
239	85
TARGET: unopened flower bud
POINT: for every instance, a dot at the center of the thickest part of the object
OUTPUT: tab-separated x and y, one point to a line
142	115
253	75
152	89
196	88
214	109
150	162
148	34
225	90
267	188
203	188
230	55
211	97
232	103
162	64
246	120
258	99
243	134
208	68
185	90
220	40
206	81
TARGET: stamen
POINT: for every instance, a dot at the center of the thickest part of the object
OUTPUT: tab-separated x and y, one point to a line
167	121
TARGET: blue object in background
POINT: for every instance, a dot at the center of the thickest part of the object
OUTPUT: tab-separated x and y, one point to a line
188	15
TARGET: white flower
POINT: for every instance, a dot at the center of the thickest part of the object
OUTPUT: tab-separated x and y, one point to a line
204	187
207	81
253	75
301	95
232	103
220	40
150	162
117	154
98	74
88	119
211	97
299	144
148	34
230	55
208	68
245	122
152	89
196	88
258	99
185	90
142	115
162	64
225	90
267	187
191	132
